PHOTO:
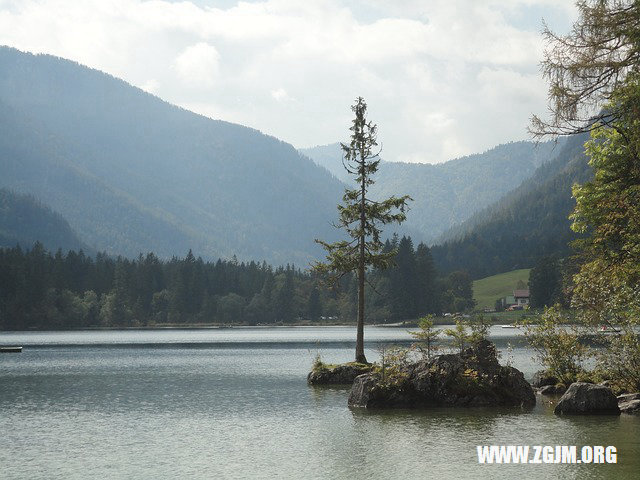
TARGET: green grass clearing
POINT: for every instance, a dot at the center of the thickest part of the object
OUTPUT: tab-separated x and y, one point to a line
487	290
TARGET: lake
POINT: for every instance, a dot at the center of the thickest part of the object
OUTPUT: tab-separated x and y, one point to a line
234	403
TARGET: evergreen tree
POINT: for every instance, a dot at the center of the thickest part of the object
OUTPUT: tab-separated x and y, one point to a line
284	305
36	275
360	216
404	283
314	306
267	294
426	275
404	287
116	311
460	291
545	283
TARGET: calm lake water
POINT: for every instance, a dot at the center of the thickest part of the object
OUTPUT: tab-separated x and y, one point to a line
234	403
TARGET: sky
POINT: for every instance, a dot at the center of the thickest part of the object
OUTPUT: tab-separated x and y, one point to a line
442	78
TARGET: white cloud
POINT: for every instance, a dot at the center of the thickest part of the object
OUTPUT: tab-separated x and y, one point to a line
151	86
280	94
442	78
197	65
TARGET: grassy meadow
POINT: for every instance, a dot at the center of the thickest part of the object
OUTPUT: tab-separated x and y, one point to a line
487	290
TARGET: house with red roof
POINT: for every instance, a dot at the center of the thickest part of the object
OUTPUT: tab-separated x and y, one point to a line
521	297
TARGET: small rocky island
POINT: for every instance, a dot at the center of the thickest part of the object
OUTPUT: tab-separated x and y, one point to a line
473	378
587	399
343	374
584	398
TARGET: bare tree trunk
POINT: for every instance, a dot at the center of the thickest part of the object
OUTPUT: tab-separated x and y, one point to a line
360	329
361	269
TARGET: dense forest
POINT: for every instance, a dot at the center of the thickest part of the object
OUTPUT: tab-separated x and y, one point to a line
39	289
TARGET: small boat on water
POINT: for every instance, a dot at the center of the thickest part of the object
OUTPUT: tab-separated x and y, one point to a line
509	326
11	349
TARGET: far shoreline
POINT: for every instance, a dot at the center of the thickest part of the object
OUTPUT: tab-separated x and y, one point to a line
491	319
216	326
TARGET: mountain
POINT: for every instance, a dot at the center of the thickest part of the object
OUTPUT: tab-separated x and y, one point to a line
24	220
526	224
132	173
330	158
448	193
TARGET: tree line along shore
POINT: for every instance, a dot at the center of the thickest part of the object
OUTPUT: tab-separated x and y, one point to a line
44	290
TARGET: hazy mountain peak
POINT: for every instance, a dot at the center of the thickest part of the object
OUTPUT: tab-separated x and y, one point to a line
448	193
133	173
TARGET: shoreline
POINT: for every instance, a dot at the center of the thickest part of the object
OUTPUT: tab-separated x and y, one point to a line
199	327
438	321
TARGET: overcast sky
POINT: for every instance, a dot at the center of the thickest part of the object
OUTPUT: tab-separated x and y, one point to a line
442	78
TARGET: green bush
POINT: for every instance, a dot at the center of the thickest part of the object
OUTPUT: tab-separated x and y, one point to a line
557	345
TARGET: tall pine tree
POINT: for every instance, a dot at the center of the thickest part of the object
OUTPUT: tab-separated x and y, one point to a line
360	216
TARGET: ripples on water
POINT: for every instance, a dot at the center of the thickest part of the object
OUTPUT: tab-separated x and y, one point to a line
235	404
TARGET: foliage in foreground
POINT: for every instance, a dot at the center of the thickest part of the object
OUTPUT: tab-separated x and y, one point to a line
558	345
426	338
594	74
607	287
394	359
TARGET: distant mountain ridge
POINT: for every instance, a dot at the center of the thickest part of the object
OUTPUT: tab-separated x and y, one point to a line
528	223
448	193
132	173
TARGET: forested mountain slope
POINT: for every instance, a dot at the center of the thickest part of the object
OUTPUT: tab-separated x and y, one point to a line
448	193
132	173
528	223
25	221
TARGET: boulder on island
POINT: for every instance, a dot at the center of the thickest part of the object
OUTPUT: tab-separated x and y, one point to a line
473	378
542	379
629	403
587	399
558	389
343	374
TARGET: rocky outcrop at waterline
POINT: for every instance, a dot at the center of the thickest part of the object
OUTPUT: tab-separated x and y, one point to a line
543	379
629	403
343	374
473	378
587	399
558	389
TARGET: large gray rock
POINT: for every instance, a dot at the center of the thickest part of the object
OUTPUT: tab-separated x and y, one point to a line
541	379
472	379
587	399
629	403
552	389
343	374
